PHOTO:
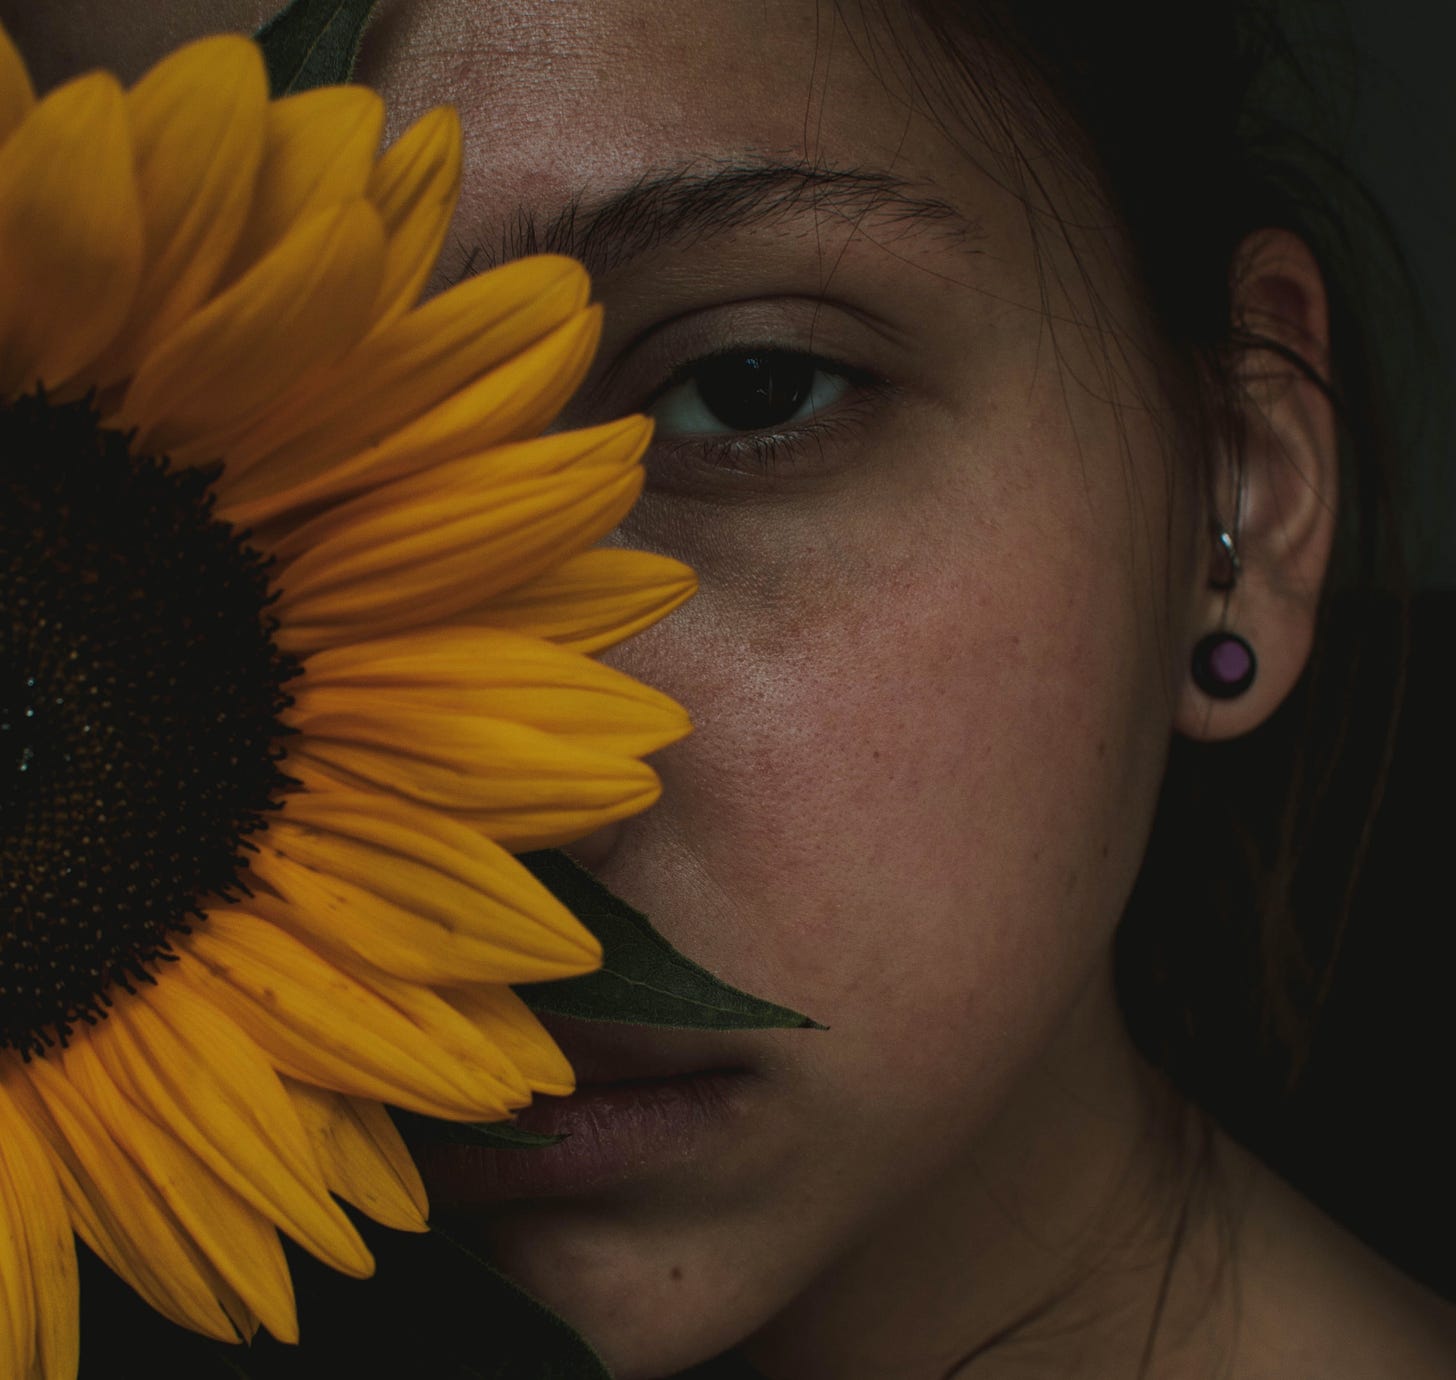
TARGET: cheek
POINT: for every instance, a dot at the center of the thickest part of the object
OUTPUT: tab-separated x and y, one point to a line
918	783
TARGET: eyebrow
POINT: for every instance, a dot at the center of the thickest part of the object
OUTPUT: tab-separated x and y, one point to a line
682	206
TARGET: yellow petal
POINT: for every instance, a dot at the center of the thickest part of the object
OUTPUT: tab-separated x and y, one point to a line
481	479
364	1158
17	95
414	534
193	1071
318	153
451	846
298	309
39	1232
594	600
399	372
17	1294
117	1211
494	674
241	1245
70	233
421	550
447	1029
364	880
517	784
197	119
414	187
513	401
457	549
320	1026
508	1022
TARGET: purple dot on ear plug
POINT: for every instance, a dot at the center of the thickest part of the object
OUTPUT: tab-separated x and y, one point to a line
1229	661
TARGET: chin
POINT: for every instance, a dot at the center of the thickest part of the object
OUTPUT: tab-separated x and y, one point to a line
646	1309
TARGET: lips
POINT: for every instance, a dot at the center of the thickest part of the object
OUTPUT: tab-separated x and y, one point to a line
648	1102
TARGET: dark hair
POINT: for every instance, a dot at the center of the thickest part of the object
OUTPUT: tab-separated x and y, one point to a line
1194	124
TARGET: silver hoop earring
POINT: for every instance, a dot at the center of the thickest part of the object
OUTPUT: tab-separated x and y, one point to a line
1225	542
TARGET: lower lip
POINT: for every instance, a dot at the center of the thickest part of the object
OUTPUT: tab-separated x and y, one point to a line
616	1132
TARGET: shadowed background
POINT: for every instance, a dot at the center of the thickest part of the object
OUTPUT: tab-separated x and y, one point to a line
1401	128
1369	1134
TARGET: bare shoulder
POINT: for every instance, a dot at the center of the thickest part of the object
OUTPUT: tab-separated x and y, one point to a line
1317	1304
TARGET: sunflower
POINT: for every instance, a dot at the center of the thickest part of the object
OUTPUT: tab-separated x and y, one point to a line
299	608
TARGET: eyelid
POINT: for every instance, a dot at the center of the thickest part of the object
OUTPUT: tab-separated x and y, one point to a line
707	329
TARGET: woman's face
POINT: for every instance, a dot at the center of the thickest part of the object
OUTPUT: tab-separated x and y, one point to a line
933	659
932	656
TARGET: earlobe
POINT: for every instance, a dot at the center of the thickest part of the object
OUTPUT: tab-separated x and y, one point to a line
1276	500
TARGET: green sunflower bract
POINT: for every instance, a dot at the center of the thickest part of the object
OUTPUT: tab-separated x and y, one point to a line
295	652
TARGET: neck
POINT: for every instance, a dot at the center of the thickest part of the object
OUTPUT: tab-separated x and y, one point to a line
1082	1235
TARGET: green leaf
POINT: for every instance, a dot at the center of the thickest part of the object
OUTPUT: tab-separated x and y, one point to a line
500	1135
534	1343
727	1367
643	979
313	43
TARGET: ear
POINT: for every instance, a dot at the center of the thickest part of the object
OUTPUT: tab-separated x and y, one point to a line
1279	502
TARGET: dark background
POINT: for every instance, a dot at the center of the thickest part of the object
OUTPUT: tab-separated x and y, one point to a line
1398	108
1369	1133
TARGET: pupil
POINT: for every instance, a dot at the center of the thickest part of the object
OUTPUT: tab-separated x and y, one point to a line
749	392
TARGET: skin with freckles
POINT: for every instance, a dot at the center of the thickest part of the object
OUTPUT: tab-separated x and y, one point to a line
938	654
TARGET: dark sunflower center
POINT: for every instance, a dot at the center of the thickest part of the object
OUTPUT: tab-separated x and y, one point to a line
140	691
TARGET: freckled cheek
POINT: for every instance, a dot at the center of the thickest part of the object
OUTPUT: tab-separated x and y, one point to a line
906	798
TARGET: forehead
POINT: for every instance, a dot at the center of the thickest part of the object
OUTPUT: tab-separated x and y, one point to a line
567	102
568	99
588	79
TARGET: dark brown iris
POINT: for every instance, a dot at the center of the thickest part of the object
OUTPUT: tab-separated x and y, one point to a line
755	390
140	694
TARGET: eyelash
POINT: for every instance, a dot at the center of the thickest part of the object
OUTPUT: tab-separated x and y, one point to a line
768	452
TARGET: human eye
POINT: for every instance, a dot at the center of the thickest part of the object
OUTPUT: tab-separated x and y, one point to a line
755	407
